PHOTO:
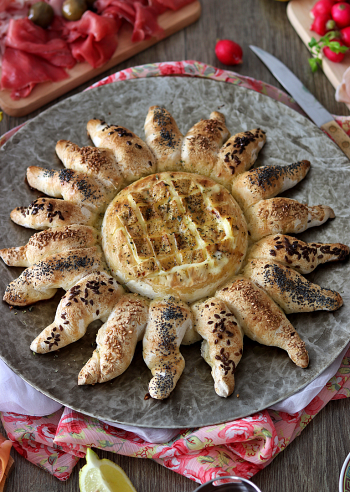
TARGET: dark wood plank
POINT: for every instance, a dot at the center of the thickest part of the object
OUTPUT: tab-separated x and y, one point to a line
313	461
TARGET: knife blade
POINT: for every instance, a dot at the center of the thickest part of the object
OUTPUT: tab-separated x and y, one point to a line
312	107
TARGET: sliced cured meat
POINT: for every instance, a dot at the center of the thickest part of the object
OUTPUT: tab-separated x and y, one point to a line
34	55
11	9
15	8
22	71
158	7
146	24
93	38
99	26
141	15
94	52
24	35
117	8
4	4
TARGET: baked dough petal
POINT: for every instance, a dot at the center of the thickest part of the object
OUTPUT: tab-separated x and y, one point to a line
99	163
93	297
284	215
292	292
267	182
222	346
50	212
303	257
72	186
46	243
132	155
116	340
261	319
168	321
41	280
164	138
238	155
202	144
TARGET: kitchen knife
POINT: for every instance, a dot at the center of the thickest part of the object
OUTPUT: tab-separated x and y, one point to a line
316	112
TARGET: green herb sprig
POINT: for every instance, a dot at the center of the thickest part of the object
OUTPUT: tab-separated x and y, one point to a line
316	48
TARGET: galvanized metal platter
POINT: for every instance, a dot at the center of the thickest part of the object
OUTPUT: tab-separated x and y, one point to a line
265	375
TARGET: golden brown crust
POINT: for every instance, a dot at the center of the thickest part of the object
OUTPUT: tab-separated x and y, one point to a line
222	346
164	138
238	155
202	143
266	182
61	270
49	242
92	297
174	233
168	321
116	340
261	319
291	290
284	215
191	336
133	156
50	212
73	186
303	257
100	163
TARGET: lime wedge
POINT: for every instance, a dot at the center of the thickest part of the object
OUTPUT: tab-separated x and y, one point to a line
103	476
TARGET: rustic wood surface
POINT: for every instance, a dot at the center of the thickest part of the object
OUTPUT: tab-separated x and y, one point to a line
312	463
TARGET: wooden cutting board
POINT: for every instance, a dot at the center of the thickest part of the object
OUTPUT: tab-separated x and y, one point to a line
43	93
298	12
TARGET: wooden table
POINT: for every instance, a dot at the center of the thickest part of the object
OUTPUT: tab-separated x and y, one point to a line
313	461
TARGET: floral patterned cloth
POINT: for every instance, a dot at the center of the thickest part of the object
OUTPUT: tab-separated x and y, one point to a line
241	447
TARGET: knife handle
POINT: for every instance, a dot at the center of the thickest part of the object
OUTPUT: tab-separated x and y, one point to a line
338	135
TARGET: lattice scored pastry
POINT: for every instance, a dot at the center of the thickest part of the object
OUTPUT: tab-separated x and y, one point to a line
199	239
174	233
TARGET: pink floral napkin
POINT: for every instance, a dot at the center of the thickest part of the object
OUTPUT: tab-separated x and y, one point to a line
241	447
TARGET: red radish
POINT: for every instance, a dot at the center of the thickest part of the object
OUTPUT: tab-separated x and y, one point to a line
341	14
334	57
322	24
345	35
322	7
228	52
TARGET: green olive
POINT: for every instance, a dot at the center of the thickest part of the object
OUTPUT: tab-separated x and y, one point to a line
73	9
41	14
